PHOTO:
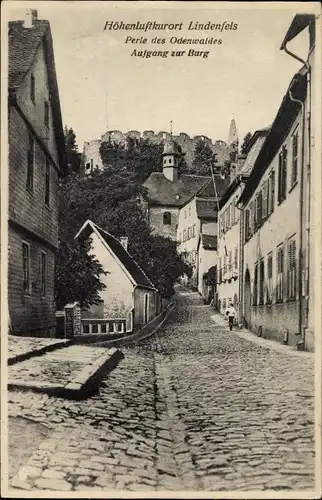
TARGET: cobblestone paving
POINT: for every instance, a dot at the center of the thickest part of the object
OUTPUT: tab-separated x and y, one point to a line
196	407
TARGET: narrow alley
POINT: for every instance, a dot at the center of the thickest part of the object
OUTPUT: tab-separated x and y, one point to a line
195	407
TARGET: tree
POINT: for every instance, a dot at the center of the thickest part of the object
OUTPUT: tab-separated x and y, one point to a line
246	140
77	275
137	158
72	154
111	199
204	158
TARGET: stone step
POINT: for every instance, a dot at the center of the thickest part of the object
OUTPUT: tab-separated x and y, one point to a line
22	348
73	372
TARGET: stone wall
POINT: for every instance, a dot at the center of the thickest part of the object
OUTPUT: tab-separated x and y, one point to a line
155	219
91	149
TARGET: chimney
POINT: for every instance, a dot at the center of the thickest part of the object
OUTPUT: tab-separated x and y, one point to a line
30	18
124	241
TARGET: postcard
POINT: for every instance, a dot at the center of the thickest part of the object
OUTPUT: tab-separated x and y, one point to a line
161	249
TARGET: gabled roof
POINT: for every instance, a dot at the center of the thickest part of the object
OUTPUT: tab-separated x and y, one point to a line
299	23
23	47
207	209
138	276
162	191
209	241
239	179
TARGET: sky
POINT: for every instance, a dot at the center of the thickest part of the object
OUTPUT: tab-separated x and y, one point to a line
102	86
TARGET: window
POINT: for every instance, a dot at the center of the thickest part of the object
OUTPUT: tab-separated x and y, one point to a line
279	273
269	278
219	271
271	192
236	258
229	262
252	217
261	282
189	233
247	224
225	265
43	273
185	214
88	165
26	267
282	172
189	210
167	219
255	290
86	328
32	88
265	200
259	204
47	182
295	140
30	163
184	235
228	217
194	230
233	214
291	269
46	115
95	328
146	308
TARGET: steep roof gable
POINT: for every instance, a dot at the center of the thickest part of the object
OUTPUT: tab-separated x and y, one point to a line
126	260
23	47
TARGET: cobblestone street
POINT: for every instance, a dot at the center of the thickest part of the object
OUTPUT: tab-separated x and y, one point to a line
195	407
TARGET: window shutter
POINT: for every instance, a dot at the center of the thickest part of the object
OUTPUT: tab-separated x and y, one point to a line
265	200
284	171
272	191
279	194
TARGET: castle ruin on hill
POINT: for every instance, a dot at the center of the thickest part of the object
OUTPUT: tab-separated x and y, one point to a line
92	159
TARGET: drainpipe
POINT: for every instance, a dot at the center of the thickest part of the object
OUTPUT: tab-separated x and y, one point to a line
241	265
304	274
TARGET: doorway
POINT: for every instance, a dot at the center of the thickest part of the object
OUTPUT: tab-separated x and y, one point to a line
247	300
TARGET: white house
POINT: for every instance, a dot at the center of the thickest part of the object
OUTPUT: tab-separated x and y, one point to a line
130	298
199	217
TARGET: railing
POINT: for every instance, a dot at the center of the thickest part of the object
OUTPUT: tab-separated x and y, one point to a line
103	326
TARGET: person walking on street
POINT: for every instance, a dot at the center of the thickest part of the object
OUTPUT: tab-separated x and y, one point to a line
231	313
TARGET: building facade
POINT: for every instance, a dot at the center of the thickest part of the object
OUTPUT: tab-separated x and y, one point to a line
129	297
276	202
230	246
168	192
36	161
